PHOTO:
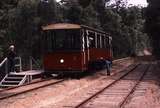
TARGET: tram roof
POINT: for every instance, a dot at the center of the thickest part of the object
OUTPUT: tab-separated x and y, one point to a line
59	26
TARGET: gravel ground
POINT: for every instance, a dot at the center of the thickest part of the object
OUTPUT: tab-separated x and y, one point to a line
147	94
58	96
75	99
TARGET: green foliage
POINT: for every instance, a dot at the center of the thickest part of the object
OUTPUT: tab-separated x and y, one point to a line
152	14
126	27
47	11
25	25
84	3
89	17
21	21
73	14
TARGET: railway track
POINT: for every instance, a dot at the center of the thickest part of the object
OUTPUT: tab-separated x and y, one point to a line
15	91
115	61
116	93
134	88
122	60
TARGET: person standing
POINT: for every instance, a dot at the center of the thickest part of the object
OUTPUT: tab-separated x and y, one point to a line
108	67
11	59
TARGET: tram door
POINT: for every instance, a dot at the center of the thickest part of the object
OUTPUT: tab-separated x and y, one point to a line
86	47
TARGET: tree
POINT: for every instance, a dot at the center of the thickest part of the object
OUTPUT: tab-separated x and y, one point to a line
153	24
47	11
5	7
84	3
21	21
74	14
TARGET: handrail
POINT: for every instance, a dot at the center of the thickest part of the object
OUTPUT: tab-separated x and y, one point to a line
31	64
23	80
1	64
20	63
6	64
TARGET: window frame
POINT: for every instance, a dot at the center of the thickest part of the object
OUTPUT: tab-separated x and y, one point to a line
50	41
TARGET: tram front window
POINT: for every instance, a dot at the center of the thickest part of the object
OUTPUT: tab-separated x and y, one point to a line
63	40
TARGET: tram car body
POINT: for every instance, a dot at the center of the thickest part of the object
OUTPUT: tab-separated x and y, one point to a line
74	48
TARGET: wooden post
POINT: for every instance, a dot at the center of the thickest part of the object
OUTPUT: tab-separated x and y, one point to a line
6	66
20	63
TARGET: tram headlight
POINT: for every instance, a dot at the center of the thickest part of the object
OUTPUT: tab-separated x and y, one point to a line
62	61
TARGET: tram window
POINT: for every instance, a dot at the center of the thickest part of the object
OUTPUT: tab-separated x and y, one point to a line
98	41
48	41
67	39
92	42
85	39
75	39
107	42
103	41
62	40
59	36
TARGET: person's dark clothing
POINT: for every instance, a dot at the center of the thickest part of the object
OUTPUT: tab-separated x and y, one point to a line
108	66
11	62
11	55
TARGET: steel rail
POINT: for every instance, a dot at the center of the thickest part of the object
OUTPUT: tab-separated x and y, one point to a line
122	59
134	88
97	93
26	91
30	84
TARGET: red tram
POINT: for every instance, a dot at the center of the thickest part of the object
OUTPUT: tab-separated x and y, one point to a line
74	48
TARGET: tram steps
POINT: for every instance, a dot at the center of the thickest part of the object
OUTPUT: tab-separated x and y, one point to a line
12	79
